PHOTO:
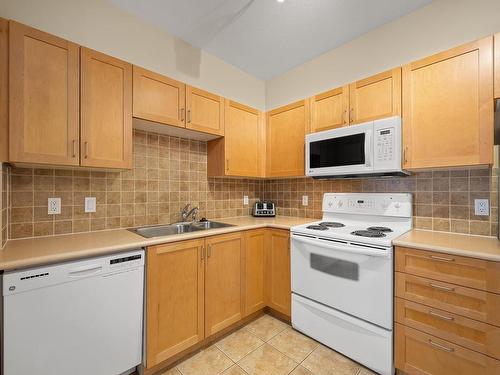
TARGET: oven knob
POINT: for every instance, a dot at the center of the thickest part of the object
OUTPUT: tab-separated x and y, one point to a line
330	204
397	205
340	203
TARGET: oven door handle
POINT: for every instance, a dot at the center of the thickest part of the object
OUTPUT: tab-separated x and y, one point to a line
340	247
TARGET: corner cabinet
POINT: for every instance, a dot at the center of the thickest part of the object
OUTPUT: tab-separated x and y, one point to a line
448	108
204	111
43	97
278	281
105	111
175	299
286	130
241	151
158	98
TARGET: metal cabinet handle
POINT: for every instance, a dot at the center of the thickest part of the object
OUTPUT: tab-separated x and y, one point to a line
351	117
442	347
182	114
86	144
74	148
209	252
345	116
188	115
202	253
444	259
227	165
445	288
405	155
444	317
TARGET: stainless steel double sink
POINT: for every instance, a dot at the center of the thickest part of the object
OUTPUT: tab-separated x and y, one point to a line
177	228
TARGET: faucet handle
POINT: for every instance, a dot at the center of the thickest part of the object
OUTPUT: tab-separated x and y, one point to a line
186	207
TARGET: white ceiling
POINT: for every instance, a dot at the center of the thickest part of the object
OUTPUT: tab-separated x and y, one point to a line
265	37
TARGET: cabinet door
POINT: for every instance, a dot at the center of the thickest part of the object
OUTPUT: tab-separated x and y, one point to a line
175	299
329	110
286	129
497	65
4	90
278	271
43	97
448	108
106	111
158	98
240	152
223	282
254	245
375	97
205	111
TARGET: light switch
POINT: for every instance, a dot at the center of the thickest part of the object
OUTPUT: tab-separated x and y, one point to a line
245	200
305	200
90	204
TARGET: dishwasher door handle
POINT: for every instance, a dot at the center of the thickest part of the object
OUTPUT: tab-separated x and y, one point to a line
88	270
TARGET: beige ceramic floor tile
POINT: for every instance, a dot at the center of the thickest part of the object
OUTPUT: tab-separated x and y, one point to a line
239	344
365	371
234	370
293	344
324	361
266	327
301	370
208	362
172	371
266	360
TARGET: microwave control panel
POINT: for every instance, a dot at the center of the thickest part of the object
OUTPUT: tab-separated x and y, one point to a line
385	144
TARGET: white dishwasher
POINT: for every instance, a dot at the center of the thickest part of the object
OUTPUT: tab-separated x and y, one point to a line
80	318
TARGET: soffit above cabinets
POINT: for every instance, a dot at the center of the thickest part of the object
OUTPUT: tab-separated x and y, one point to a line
285	34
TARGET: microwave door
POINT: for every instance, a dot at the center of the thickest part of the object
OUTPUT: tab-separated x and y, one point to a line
343	151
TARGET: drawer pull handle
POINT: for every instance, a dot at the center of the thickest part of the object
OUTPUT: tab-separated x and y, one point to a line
442	347
444	317
444	259
445	288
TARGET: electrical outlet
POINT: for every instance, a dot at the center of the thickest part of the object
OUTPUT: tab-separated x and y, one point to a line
481	207
90	204
245	200
54	206
305	200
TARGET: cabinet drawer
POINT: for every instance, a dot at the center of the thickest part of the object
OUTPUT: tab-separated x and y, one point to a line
463	331
419	353
470	272
468	302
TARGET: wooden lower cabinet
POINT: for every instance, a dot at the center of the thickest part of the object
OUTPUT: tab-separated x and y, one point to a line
254	250
223	282
278	288
175	299
417	353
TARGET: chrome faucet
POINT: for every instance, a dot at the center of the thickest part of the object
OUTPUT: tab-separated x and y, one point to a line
186	212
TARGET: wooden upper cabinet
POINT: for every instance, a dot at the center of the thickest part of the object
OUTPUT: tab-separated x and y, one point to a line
329	110
254	279
497	64
43	97
175	299
4	90
158	98
106	111
286	130
278	283
375	97
204	111
448	108
223	282
241	151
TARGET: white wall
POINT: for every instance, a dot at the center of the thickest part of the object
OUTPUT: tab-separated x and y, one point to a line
438	26
100	25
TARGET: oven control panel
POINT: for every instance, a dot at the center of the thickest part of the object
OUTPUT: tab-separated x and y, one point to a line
397	204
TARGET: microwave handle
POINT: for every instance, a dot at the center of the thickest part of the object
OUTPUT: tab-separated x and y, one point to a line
368	148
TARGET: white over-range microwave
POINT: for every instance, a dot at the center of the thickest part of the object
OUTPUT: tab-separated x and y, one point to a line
368	149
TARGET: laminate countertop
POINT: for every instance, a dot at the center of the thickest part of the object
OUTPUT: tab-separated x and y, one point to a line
480	247
31	252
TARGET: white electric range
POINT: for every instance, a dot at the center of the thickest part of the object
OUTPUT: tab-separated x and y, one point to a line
342	274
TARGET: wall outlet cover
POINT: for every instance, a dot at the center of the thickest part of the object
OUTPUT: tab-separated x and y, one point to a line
245	200
305	200
481	207
54	206
90	204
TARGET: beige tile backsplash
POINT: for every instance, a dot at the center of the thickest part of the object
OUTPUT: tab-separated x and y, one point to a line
170	172
443	199
3	204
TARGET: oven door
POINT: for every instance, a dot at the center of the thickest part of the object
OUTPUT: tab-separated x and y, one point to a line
341	151
351	278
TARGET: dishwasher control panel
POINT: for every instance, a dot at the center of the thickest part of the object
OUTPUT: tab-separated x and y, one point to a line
126	261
